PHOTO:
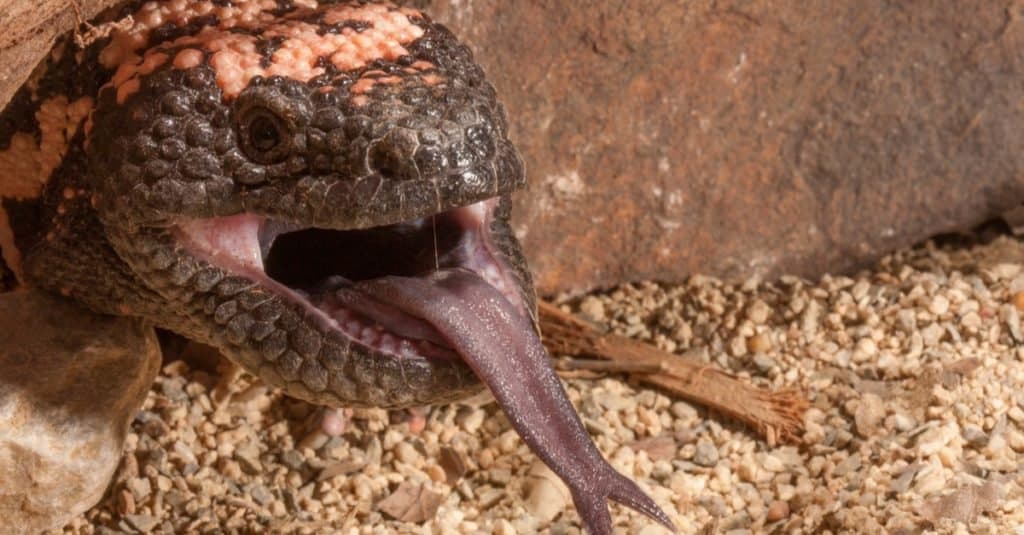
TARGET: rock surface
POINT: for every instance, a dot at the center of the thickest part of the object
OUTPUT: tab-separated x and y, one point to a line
737	138
731	138
70	382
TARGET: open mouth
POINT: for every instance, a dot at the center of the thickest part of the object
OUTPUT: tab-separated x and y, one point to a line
318	268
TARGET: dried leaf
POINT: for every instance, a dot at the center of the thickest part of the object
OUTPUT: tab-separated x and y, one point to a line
341	468
965	504
658	448
964	367
411	503
453	464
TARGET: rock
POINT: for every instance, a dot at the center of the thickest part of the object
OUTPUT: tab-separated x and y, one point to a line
499	476
470	418
939	305
262	495
793	166
760	343
407	453
934	439
293	459
868	415
847	465
903	422
248	456
706	454
1018	301
546	494
975	436
772	463
334	421
453	463
143	523
592	309
70	383
777	511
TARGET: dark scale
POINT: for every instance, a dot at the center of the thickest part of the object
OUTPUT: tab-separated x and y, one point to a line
7	280
284	7
19	116
169	32
338	27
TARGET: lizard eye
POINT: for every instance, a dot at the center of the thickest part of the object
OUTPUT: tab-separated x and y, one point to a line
264	136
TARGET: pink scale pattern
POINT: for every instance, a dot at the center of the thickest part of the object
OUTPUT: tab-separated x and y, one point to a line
235	57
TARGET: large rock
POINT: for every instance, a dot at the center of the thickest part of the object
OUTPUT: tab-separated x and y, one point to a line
70	383
27	31
742	137
734	137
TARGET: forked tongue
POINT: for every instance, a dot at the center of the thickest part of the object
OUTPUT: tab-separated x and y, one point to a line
502	348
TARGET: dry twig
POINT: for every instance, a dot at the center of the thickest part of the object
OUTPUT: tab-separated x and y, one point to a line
775	415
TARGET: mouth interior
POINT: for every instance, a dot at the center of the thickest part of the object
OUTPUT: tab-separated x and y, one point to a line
306	259
316	267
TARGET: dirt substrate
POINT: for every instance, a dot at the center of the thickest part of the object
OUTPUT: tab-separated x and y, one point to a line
915	372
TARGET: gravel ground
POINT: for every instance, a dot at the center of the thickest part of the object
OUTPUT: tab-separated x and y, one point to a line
915	371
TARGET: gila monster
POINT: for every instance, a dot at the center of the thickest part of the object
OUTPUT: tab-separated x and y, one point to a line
321	191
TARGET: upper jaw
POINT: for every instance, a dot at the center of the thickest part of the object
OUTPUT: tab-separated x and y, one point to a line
342	202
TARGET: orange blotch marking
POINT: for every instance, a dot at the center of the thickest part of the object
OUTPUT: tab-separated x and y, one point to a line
432	79
127	89
188	58
363	86
27	162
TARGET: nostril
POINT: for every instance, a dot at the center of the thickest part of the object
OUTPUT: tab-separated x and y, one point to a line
393	156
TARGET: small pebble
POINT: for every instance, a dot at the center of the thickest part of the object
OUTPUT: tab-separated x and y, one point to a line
546	495
778	510
407	453
706	454
939	305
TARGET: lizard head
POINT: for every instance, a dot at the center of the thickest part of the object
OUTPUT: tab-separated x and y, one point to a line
248	170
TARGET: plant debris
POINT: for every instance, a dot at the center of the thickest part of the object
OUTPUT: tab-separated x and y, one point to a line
411	503
775	415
